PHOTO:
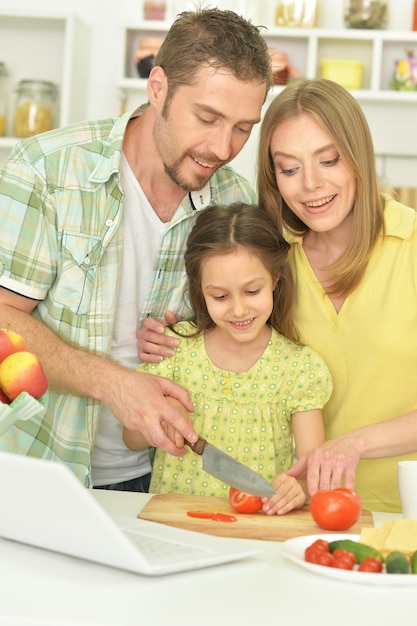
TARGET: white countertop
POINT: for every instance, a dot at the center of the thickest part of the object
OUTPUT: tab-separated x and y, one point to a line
47	589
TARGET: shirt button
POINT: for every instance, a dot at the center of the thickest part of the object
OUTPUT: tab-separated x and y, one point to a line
109	222
87	260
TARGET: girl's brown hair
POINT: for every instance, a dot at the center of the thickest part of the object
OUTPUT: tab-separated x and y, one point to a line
220	230
341	117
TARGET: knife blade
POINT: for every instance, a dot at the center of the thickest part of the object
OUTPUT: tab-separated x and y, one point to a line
232	472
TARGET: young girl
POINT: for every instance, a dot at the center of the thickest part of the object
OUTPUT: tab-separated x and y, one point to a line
256	391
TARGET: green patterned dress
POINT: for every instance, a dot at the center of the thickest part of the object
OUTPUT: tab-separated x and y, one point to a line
247	415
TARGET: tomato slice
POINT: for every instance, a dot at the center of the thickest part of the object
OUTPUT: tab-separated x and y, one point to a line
215	517
201	514
244	502
223	517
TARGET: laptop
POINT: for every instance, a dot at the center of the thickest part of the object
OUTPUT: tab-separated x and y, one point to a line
44	504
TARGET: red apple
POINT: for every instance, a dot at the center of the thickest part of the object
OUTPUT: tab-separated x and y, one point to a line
3	398
22	371
10	342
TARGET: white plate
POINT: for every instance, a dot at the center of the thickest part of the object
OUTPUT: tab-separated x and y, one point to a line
294	548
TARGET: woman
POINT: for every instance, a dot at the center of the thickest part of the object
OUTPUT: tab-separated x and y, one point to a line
354	261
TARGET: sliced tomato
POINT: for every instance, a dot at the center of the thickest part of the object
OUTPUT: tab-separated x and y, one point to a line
244	502
215	517
201	514
223	517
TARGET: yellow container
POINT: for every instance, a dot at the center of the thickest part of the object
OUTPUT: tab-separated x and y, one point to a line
346	72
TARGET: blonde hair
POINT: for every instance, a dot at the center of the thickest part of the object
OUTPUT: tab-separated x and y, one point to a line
341	117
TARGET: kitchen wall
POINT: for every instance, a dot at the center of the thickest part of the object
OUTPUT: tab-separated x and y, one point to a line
106	19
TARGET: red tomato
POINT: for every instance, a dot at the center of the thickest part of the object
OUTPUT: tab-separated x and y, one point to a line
319	557
320	545
343	562
244	502
335	509
370	564
344	556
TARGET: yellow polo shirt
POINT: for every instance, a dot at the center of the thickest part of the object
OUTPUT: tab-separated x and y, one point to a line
370	346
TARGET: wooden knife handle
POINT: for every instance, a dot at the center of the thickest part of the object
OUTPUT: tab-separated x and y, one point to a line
198	446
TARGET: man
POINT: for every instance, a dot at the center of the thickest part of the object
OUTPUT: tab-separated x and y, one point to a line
94	220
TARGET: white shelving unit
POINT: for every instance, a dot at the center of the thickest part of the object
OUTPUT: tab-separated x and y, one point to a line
393	111
378	49
49	47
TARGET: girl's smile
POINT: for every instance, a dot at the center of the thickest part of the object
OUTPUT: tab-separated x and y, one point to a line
238	291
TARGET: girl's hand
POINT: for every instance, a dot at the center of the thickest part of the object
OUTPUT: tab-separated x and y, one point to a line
290	495
171	432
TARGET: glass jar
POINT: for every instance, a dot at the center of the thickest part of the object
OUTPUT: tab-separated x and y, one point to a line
154	9
36	107
3	99
300	13
366	13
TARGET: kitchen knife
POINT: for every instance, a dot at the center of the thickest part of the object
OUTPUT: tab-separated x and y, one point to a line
230	471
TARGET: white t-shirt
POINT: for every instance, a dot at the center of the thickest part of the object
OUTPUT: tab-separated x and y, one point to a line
112	462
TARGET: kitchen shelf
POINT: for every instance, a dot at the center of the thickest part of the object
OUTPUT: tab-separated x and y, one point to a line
306	48
392	115
51	47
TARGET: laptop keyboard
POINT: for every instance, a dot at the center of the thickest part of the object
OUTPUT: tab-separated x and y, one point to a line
157	550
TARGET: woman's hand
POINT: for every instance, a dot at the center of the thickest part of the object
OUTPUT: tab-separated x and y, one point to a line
290	495
330	466
153	345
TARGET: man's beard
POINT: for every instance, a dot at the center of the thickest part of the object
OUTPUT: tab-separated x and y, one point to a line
173	171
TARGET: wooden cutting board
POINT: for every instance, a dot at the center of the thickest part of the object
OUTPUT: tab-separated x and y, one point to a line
172	510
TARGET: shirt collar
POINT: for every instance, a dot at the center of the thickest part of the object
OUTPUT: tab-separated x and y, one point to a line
399	219
201	199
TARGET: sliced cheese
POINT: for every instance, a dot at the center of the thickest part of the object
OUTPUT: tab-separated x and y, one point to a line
394	535
402	537
376	537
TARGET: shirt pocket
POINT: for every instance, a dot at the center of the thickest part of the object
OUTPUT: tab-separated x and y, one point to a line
80	256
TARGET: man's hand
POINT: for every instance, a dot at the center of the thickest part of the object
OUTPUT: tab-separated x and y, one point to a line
138	400
144	402
152	344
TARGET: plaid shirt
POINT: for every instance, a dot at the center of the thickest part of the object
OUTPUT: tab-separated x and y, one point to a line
61	243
